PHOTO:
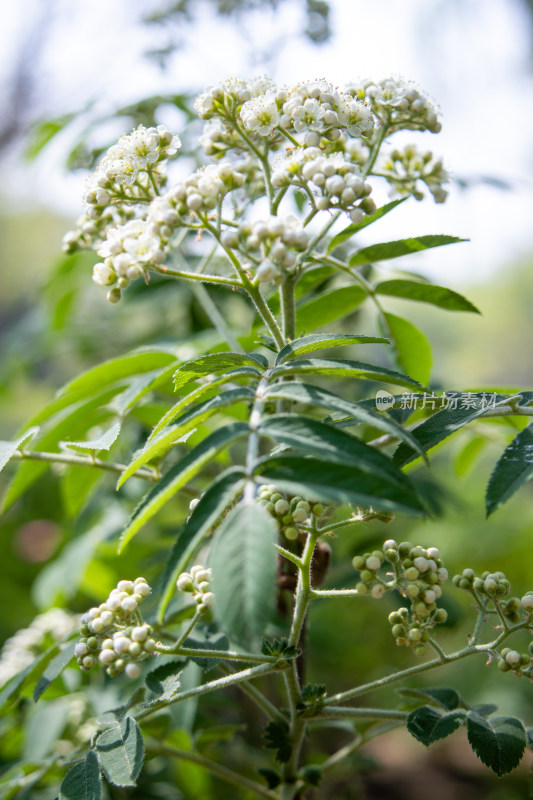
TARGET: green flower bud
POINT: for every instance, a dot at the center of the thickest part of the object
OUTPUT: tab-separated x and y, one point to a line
291	533
362	588
359	562
397	630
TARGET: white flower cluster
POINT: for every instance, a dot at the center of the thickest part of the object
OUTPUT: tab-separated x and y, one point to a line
130	250
337	181
26	644
196	582
406	169
224	99
318	108
113	633
398	104
271	243
125	180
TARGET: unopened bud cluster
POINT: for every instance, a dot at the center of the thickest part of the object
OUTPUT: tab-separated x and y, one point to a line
197	583
335	180
398	104
113	633
271	243
418	574
406	169
289	512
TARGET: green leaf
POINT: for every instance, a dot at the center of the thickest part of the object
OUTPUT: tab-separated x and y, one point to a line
278	737
104	442
446	421
426	293
358	412
60	579
499	742
212	504
345	369
351	230
196	394
446	698
322	341
513	469
180	474
322	480
168	437
216	362
331	444
428	724
82	782
77	485
54	669
243	560
8	449
121	752
17	686
413	351
328	307
107	374
401	247
43	132
164	681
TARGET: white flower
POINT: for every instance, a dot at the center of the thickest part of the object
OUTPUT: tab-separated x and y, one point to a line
309	116
261	114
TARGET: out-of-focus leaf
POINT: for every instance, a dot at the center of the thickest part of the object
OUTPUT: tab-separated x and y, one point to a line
327	307
426	293
513	469
402	247
412	348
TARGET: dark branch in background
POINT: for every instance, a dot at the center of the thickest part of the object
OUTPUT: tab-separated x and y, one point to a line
19	97
180	14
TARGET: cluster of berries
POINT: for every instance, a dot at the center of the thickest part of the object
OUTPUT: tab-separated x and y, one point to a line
197	583
519	663
113	633
289	512
418	574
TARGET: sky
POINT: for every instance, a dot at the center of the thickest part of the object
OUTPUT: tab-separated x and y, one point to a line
472	56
